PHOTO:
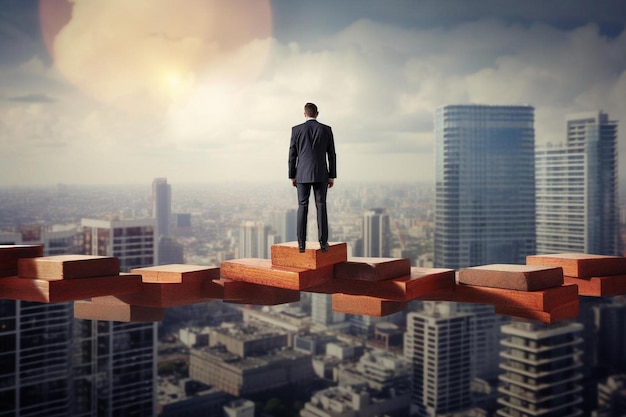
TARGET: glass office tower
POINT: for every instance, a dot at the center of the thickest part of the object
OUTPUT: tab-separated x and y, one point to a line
485	185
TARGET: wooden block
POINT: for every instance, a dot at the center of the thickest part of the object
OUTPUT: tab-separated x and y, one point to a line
241	292
55	291
110	310
513	277
421	281
567	311
175	273
68	267
542	300
373	269
581	265
9	255
366	306
599	286
287	254
261	271
193	289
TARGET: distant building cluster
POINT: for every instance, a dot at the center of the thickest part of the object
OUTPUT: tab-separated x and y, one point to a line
498	197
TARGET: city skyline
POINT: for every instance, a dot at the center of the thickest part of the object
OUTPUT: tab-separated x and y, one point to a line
201	102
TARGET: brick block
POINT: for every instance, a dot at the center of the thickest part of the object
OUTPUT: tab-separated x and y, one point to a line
9	255
582	265
261	271
366	306
599	286
567	311
421	281
287	254
241	292
192	290
373	269
513	277
56	291
59	267
112	309
542	300
176	273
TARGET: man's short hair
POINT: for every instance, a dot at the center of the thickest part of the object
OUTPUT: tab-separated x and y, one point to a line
310	110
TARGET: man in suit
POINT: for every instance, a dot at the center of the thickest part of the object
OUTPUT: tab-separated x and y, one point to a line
311	143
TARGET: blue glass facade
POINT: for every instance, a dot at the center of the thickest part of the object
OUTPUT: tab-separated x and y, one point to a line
485	185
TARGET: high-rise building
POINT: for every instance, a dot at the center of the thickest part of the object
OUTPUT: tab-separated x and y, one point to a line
162	205
284	224
133	241
255	240
437	343
577	208
114	362
376	233
35	338
541	370
485	185
322	310
35	353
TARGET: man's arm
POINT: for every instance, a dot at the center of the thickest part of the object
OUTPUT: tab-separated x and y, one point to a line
332	157
293	157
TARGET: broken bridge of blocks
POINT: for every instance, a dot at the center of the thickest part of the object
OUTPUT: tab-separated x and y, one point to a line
546	289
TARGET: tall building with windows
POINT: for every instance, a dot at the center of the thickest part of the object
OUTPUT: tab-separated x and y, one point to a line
284	224
485	185
541	370
162	205
133	241
376	233
577	208
438	345
255	240
322	310
115	363
36	338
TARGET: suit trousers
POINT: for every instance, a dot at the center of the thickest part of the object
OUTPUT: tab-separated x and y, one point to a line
320	189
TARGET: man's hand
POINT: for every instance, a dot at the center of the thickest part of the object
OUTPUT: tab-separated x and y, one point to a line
293	182
331	182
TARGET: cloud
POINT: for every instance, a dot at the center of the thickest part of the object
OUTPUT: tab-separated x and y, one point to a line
375	83
33	98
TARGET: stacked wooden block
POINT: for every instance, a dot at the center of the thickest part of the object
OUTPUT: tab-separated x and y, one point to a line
52	279
595	275
547	288
527	291
160	287
367	286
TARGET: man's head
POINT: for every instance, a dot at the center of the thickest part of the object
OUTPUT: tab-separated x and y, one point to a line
310	110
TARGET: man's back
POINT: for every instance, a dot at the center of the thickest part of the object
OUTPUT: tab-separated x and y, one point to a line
311	142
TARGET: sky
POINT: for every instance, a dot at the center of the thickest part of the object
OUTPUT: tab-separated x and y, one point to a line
124	91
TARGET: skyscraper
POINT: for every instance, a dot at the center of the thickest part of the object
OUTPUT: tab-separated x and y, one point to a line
131	240
577	207
284	224
162	205
437	343
541	370
255	239
115	363
376	233
485	185
35	339
322	310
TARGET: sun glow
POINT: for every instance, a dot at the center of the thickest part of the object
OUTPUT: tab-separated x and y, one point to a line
130	54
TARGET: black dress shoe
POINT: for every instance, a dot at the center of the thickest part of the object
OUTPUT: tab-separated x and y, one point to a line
301	246
324	246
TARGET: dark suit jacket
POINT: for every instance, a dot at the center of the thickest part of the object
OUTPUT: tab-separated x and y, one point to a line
311	142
